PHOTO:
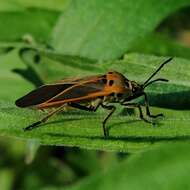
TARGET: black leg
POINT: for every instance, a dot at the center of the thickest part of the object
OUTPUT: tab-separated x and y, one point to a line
94	108
35	125
74	105
136	105
147	108
82	107
112	108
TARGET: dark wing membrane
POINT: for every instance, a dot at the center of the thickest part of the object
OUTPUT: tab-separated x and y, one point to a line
41	94
80	90
79	79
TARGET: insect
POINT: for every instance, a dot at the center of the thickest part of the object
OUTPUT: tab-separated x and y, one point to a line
101	90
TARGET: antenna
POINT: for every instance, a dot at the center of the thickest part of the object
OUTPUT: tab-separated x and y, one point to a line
146	82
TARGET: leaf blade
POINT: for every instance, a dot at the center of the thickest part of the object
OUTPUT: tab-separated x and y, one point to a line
162	168
127	133
115	27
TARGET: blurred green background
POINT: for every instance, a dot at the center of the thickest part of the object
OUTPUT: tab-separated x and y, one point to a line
45	41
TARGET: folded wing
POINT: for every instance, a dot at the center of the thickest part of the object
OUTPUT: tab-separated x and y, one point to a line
63	90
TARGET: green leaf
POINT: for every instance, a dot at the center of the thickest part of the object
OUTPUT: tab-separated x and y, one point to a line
35	22
9	5
15	5
107	29
11	83
58	5
6	178
166	167
48	65
127	133
162	46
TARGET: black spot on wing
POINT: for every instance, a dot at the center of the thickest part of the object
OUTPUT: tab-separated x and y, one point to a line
41	95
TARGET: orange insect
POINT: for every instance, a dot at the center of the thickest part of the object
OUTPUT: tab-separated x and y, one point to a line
101	90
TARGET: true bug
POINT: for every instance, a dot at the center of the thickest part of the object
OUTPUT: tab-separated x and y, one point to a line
102	90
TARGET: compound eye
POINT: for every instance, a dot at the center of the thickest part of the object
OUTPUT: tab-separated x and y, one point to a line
134	89
127	84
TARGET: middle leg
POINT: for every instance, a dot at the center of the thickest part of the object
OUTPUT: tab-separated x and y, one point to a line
136	105
148	110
